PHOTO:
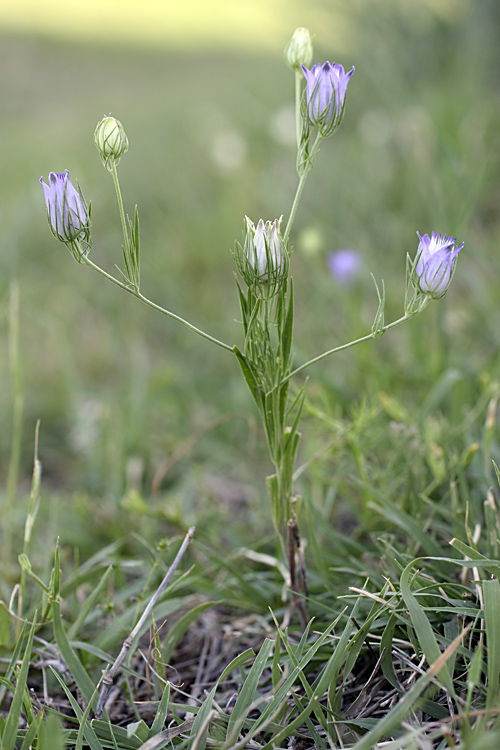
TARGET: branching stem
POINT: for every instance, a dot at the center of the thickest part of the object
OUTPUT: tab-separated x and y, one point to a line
347	346
135	293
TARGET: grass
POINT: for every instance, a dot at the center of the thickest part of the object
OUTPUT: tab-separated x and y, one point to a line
146	431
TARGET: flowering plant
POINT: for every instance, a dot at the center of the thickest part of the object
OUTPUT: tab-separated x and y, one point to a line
266	294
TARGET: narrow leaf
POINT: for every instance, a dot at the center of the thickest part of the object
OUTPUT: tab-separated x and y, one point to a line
491	592
423	629
12	723
247	693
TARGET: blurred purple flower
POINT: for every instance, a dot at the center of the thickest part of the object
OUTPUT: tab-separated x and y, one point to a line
326	87
344	265
436	258
67	213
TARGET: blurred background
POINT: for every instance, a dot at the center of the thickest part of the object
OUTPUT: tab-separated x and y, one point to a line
139	417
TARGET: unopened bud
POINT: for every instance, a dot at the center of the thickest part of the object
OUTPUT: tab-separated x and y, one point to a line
111	141
299	50
263	259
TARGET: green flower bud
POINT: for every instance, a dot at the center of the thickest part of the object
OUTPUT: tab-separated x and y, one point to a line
111	141
299	50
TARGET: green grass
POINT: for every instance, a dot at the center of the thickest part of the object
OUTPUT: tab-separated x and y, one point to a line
146	430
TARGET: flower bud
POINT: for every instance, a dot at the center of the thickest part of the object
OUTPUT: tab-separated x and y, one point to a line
111	141
263	259
435	264
66	208
263	247
323	104
299	50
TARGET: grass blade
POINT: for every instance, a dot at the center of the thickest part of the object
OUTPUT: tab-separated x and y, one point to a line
247	693
12	723
491	593
423	629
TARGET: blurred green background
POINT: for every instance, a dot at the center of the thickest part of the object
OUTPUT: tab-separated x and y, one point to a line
125	396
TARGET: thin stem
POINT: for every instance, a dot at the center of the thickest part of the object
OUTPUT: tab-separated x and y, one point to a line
135	293
347	346
298	90
300	188
120	207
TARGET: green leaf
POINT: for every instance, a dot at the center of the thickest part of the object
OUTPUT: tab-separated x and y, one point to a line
481	560
198	736
79	674
287	331
12	723
245	699
253	317
161	711
85	729
32	733
249	375
387	663
271	422
5	623
138	729
423	629
243	305
277	509
491	593
299	403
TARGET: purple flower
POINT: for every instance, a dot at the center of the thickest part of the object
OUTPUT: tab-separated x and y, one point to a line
326	86
435	263
67	212
344	265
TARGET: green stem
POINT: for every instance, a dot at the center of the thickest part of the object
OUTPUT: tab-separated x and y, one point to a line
135	293
300	188
120	207
299	76
347	346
